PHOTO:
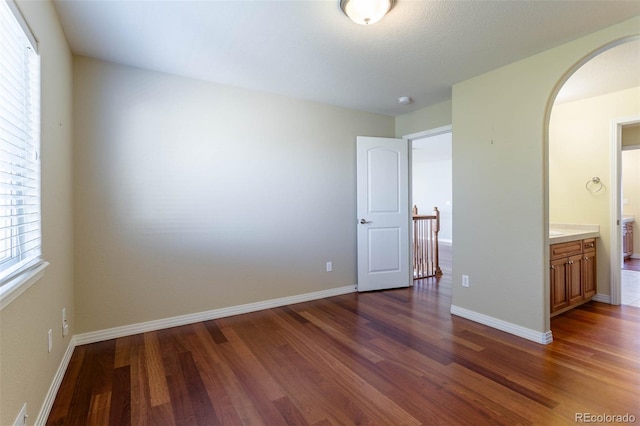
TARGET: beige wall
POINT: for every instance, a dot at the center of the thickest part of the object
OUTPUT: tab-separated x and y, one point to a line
424	119
499	182
192	196
26	368
579	149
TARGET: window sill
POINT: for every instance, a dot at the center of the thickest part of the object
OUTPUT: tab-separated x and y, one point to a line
14	288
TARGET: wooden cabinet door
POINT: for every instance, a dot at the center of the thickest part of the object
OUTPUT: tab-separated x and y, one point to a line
573	274
558	285
589	274
574	279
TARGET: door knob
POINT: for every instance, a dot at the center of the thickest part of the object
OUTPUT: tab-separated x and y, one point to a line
364	221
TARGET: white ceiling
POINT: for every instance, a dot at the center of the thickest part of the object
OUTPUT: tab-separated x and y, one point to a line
308	49
617	68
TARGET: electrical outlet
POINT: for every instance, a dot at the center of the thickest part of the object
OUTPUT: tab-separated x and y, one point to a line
21	420
465	281
329	266
50	335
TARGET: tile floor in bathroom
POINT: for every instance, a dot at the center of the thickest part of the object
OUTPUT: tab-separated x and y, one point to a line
631	287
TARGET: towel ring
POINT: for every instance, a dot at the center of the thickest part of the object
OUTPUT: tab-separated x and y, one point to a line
594	185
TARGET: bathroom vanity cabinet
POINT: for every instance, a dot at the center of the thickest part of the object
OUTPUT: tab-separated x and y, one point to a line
573	274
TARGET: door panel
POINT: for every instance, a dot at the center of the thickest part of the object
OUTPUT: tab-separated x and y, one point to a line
383	186
589	274
383	213
384	250
559	298
574	281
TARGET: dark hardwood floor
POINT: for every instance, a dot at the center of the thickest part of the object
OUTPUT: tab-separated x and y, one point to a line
632	264
394	357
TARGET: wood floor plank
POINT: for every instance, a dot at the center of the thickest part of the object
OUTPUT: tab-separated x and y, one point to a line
99	409
632	264
252	386
202	407
344	339
215	332
183	413
120	396
390	357
254	368
91	380
160	415
158	387
122	356
290	412
140	394
206	361
61	405
223	386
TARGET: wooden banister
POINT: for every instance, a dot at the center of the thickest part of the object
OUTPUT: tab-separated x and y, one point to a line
426	262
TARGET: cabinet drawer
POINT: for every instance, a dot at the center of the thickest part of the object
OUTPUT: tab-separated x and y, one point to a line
569	248
589	245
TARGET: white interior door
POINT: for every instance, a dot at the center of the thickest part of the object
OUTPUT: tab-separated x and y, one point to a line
383	213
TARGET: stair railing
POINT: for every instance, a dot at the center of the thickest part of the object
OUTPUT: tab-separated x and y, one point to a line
425	244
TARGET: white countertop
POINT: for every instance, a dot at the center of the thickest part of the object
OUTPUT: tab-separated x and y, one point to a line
563	232
626	219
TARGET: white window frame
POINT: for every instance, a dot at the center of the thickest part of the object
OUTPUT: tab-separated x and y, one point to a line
21	263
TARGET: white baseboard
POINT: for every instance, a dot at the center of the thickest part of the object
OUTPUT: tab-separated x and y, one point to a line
604	298
445	242
55	385
143	327
517	330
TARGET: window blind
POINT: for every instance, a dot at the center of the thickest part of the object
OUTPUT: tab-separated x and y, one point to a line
20	219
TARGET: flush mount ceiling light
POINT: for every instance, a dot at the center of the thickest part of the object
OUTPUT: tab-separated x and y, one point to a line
365	12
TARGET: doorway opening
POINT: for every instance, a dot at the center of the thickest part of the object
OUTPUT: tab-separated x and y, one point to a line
431	186
585	134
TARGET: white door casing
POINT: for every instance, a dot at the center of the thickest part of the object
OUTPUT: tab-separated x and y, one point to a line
383	213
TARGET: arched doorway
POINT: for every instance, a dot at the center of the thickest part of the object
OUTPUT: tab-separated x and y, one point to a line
598	96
